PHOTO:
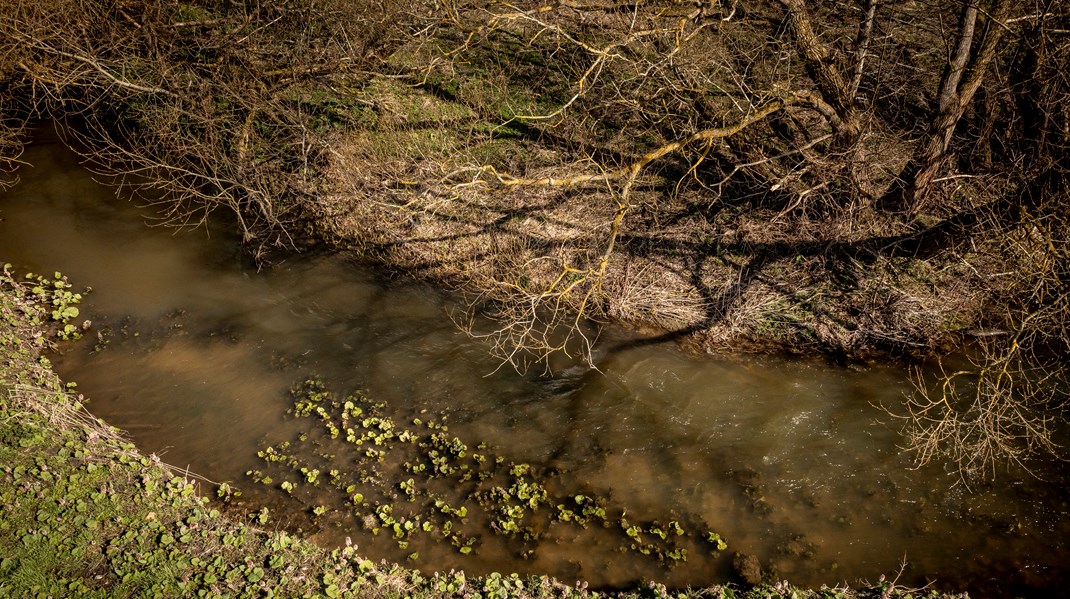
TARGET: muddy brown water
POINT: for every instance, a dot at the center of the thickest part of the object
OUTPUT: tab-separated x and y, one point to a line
788	460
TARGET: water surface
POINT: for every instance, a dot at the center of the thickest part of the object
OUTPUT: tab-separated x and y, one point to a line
790	461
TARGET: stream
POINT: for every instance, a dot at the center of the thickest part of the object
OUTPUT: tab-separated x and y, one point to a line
194	351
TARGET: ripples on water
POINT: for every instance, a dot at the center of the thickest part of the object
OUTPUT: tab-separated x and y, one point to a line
786	459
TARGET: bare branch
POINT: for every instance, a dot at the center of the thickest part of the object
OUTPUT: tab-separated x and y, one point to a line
862	43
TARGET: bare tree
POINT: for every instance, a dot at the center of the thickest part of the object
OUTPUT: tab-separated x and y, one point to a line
1006	404
654	74
838	92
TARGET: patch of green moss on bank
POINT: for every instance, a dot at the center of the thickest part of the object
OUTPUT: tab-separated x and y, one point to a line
83	513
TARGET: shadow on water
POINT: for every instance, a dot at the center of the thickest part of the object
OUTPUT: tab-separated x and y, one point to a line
193	352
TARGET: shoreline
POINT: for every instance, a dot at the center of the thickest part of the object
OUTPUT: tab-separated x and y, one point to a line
85	513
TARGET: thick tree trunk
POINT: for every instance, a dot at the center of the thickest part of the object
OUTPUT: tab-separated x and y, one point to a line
835	90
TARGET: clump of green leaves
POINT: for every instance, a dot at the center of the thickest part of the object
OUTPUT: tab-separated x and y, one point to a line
407	477
56	294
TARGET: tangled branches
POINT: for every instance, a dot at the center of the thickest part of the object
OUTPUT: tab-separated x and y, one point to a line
1006	406
634	99
197	104
556	310
996	411
702	167
10	150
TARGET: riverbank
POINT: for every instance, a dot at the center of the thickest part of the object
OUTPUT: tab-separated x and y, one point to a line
539	185
86	514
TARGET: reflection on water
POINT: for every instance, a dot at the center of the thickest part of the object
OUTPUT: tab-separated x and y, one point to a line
786	459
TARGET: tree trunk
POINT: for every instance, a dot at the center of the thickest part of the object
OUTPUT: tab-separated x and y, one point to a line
963	76
835	90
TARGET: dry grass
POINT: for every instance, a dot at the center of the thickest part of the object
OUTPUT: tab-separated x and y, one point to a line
723	276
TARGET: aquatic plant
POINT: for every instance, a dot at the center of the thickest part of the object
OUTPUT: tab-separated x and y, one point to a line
440	480
716	540
56	293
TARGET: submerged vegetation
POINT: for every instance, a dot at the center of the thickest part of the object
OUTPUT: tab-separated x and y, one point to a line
399	479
